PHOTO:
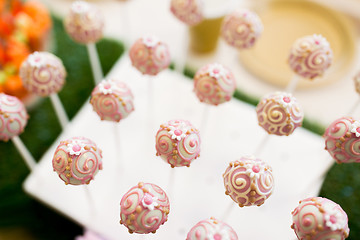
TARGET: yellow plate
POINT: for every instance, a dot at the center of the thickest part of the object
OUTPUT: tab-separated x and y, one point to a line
284	22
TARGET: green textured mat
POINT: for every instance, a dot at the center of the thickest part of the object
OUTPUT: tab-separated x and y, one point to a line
16	208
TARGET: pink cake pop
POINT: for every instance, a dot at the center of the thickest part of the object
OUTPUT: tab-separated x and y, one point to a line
43	73
241	28
188	11
13	117
279	113
149	55
248	181
321	219
342	140
310	56
144	208
77	160
112	100
214	84
211	229
84	23
178	143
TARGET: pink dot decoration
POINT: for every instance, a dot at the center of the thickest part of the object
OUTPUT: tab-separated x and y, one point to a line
112	100
149	55
214	84
241	28
188	11
248	181
178	143
13	117
84	23
211	229
310	56
279	113
144	208
321	219
342	140
77	160
42	73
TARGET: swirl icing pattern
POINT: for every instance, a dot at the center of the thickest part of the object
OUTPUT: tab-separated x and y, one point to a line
241	28
320	219
77	160
214	84
279	113
188	11
211	229
13	117
149	55
42	73
248	181
342	140
310	56
112	100
84	23
178	143
144	208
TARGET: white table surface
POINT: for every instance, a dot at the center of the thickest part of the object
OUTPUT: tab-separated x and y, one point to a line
231	131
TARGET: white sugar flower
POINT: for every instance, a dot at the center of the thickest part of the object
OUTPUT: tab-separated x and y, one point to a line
216	70
218	233
150	41
75	147
334	219
355	128
254	170
285	100
80	7
107	86
36	60
149	201
178	132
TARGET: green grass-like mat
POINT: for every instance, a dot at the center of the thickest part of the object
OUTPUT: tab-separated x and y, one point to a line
16	208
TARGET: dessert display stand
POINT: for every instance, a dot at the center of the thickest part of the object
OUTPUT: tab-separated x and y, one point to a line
198	191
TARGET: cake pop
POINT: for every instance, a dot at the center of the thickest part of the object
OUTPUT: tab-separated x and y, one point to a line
43	73
248	181
211	229
144	208
214	84
342	140
178	143
279	113
77	160
149	55
188	11
13	117
112	100
241	28
84	23
310	56
320	218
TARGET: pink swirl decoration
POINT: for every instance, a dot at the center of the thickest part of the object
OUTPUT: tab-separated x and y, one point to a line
211	229
141	218
77	166
214	84
178	143
188	11
241	28
310	56
84	23
320	219
42	73
13	117
248	181
151	58
342	140
112	100
279	113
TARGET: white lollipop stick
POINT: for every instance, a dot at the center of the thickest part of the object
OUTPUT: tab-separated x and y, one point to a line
59	110
117	147
290	88
261	145
95	63
204	120
92	206
184	49
171	183
353	108
24	152
227	212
